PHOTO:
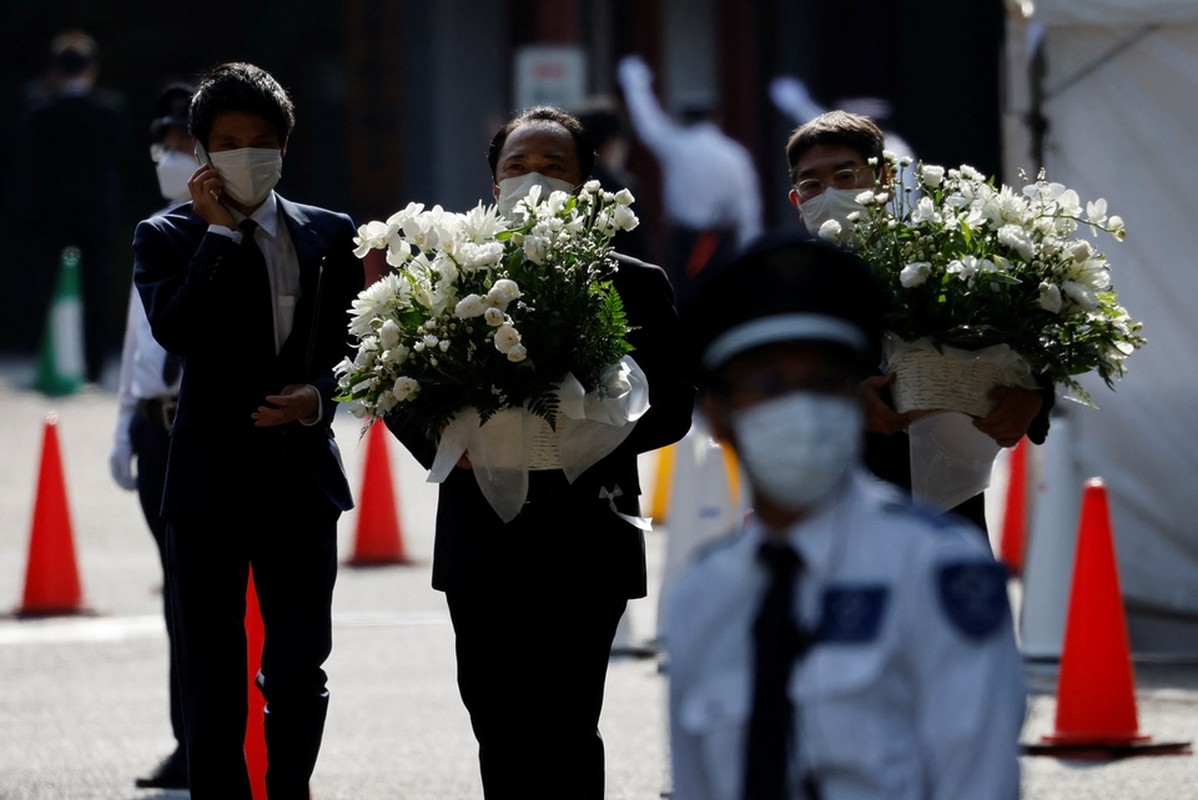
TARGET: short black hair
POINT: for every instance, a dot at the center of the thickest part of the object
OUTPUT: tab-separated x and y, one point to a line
237	86
855	131
584	144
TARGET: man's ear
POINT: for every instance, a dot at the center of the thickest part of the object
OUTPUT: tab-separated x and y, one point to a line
793	196
283	149
494	189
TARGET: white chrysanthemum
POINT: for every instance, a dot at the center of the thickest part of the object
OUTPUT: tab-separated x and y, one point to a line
392	291
915	274
480	224
506	337
1080	294
478	256
1018	240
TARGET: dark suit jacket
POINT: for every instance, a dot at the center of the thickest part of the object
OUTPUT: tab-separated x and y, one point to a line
566	530
194	287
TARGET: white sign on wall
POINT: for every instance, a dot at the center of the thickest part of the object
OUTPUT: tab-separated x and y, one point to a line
550	74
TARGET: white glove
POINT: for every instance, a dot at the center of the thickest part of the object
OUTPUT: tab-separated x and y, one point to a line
120	464
632	70
791	96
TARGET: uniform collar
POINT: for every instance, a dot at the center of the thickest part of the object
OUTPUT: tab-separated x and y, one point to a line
266	215
818	537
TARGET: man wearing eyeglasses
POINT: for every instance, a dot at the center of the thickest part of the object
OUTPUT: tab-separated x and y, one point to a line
829	161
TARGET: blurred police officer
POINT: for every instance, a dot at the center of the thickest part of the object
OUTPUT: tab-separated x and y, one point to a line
845	643
147	392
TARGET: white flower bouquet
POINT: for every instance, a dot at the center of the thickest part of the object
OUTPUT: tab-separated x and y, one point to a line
490	328
972	267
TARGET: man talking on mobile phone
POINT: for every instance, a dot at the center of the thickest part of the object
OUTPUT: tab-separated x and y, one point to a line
250	290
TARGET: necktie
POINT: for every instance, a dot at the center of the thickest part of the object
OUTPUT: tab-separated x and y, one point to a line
257	283
777	643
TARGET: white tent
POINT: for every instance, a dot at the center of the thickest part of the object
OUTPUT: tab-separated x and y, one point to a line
1120	99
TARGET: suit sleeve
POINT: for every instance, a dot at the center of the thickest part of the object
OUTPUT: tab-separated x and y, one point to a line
649	302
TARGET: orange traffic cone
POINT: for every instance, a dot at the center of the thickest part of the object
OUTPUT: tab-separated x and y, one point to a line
1096	706
255	728
377	540
1014	521
52	577
660	500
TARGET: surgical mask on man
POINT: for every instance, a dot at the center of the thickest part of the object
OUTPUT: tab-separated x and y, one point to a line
798	447
174	171
513	190
249	173
829	204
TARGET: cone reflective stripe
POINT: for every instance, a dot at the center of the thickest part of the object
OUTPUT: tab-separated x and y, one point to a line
52	577
60	369
378	539
1014	521
1096	713
255	728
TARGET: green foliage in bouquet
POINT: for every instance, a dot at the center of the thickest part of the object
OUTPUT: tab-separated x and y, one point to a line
485	311
969	264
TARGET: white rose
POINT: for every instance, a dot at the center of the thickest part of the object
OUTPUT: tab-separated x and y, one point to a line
623	197
517	353
915	274
1081	294
830	230
506	337
494	317
931	175
470	306
405	388
1050	297
504	291
624	218
389	334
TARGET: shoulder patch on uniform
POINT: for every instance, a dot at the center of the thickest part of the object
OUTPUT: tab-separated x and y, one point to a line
851	613
973	595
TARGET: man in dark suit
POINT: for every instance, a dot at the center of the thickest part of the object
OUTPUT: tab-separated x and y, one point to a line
250	290
567	563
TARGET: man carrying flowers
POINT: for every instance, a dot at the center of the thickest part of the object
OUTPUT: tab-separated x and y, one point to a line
572	550
834	158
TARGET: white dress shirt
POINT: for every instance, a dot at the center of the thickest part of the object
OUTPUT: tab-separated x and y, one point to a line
914	690
708	179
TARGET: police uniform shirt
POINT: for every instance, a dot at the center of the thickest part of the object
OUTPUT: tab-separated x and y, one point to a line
914	688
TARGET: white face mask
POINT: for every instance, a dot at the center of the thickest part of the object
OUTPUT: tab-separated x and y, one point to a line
798	447
832	203
513	190
174	171
250	173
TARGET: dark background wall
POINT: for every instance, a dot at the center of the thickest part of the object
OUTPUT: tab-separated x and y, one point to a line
396	99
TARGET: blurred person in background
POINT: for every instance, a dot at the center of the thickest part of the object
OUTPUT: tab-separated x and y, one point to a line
66	189
711	191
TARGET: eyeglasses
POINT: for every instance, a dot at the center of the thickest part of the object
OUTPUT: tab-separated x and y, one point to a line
840	179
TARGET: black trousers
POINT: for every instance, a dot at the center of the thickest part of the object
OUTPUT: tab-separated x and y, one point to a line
535	711
151	442
293	550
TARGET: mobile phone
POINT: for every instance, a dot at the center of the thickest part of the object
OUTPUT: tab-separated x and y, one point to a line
202	155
